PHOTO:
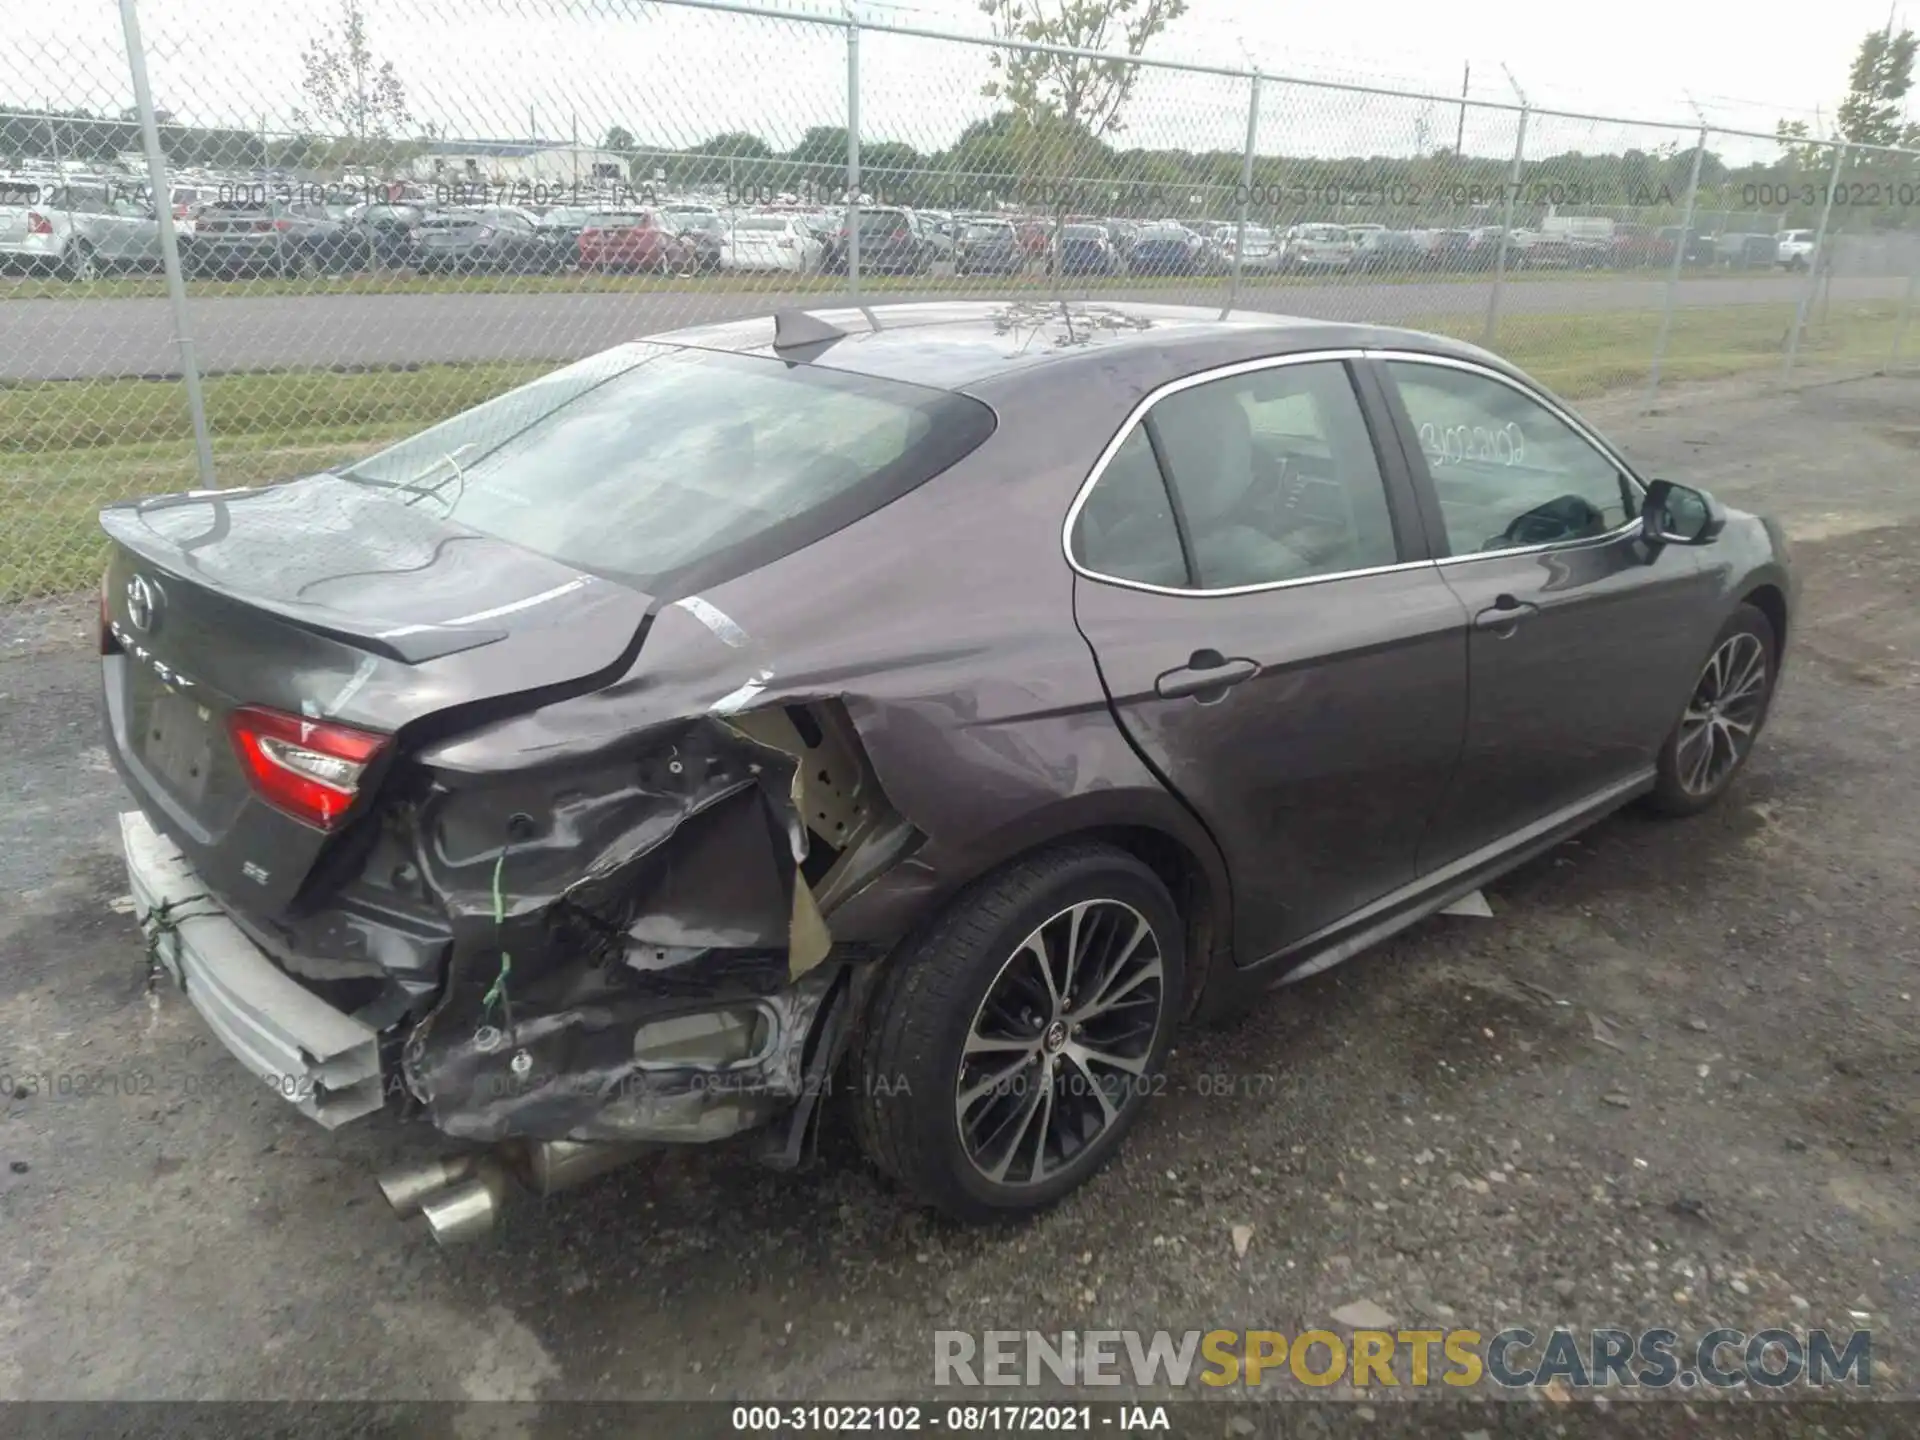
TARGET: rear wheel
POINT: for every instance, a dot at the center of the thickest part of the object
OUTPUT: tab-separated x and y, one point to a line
1014	1043
1722	718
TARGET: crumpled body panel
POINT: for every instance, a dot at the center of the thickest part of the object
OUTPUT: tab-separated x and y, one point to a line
593	894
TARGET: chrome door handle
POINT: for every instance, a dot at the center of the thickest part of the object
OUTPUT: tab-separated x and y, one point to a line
1503	617
1206	677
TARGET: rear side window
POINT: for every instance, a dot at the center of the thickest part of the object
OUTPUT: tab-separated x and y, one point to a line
1125	528
663	466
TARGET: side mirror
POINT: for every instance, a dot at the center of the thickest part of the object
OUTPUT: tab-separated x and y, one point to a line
1680	515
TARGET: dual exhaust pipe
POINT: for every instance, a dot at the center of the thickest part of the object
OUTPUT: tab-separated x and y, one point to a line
461	1196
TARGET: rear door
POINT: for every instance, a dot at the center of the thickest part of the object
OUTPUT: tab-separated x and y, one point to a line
1582	641
1254	582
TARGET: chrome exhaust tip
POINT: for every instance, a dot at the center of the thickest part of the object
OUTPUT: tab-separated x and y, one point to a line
410	1186
466	1211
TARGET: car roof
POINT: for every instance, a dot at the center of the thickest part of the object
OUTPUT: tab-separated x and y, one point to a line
957	345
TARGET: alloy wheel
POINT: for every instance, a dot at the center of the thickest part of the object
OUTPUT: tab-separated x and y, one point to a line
1059	1047
1718	725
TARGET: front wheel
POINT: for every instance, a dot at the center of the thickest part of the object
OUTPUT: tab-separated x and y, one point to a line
1722	717
1013	1043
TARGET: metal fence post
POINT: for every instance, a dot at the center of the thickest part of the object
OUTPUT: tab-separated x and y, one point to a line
1813	266
1913	286
853	159
169	241
1246	188
1506	231
1673	271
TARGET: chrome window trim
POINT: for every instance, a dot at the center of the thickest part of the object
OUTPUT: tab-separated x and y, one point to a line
1560	413
1125	432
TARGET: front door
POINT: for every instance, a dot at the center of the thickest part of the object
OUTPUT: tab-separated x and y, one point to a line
1254	585
1582	640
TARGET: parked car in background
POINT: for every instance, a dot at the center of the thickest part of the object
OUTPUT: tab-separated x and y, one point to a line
1120	234
633	240
938	226
719	791
1793	249
1317	246
1746	251
1256	248
387	233
773	242
271	237
1531	250
1165	248
1697	246
563	224
989	247
1083	250
891	243
1641	247
1451	249
497	239
79	229
1392	252
702	230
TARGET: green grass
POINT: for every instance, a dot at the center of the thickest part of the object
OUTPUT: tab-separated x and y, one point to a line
399	282
67	447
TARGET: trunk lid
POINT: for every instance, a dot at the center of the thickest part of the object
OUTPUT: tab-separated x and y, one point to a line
332	600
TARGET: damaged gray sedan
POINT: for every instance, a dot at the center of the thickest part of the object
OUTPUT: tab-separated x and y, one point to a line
920	710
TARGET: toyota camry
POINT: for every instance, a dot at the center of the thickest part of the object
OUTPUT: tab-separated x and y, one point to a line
916	710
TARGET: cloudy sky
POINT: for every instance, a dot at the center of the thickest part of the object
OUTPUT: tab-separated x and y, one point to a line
673	76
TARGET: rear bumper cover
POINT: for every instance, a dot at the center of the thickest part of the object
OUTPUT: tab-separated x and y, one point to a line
325	1063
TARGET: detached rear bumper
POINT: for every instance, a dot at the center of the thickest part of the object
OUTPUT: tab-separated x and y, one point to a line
323	1062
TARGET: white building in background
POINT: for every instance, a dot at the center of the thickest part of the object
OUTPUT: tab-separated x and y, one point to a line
536	167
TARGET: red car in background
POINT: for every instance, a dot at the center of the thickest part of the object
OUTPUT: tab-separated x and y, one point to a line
1638	246
633	240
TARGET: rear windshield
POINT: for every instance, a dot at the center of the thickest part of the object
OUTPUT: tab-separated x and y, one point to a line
660	466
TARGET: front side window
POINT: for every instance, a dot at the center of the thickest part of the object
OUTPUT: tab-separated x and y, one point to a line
1275	476
1507	471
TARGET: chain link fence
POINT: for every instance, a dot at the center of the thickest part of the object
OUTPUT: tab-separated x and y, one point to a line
244	243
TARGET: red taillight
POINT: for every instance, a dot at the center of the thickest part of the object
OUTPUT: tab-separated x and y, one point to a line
108	645
306	768
38	224
898	235
180	212
283	224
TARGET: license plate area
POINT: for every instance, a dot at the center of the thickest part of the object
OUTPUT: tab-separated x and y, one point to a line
174	737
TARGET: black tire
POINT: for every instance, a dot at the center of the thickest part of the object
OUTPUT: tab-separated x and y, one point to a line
909	1059
1679	790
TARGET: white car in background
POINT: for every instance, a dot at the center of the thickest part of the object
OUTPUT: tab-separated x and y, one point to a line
1317	247
1793	249
773	243
77	228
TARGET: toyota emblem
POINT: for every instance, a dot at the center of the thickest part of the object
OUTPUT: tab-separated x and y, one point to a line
143	603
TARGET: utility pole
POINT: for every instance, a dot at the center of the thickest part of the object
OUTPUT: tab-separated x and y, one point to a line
1460	130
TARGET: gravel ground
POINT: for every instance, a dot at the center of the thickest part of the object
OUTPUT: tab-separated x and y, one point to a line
1674	1080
